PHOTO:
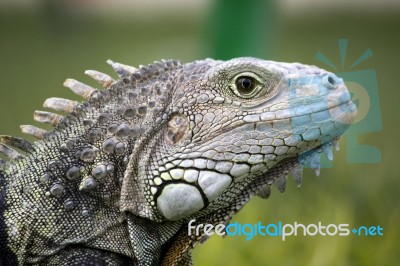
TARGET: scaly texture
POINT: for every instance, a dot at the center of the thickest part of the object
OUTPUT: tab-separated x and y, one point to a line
121	174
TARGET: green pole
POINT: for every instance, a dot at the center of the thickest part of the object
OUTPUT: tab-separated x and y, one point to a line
242	28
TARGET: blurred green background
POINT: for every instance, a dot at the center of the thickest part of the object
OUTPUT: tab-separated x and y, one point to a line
44	42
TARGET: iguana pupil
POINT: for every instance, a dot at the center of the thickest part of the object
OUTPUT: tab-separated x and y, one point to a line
245	85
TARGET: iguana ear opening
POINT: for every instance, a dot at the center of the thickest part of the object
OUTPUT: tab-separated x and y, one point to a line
177	129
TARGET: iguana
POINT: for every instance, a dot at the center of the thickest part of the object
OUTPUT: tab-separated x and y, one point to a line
117	179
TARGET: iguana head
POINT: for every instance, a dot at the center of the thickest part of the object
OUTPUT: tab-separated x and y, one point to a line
229	123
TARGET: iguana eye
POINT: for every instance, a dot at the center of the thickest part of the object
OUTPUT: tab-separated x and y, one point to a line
245	85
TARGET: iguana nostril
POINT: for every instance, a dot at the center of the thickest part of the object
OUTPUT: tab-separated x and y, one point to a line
330	81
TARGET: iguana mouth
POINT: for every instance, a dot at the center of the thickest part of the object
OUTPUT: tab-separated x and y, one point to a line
346	116
351	110
344	112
